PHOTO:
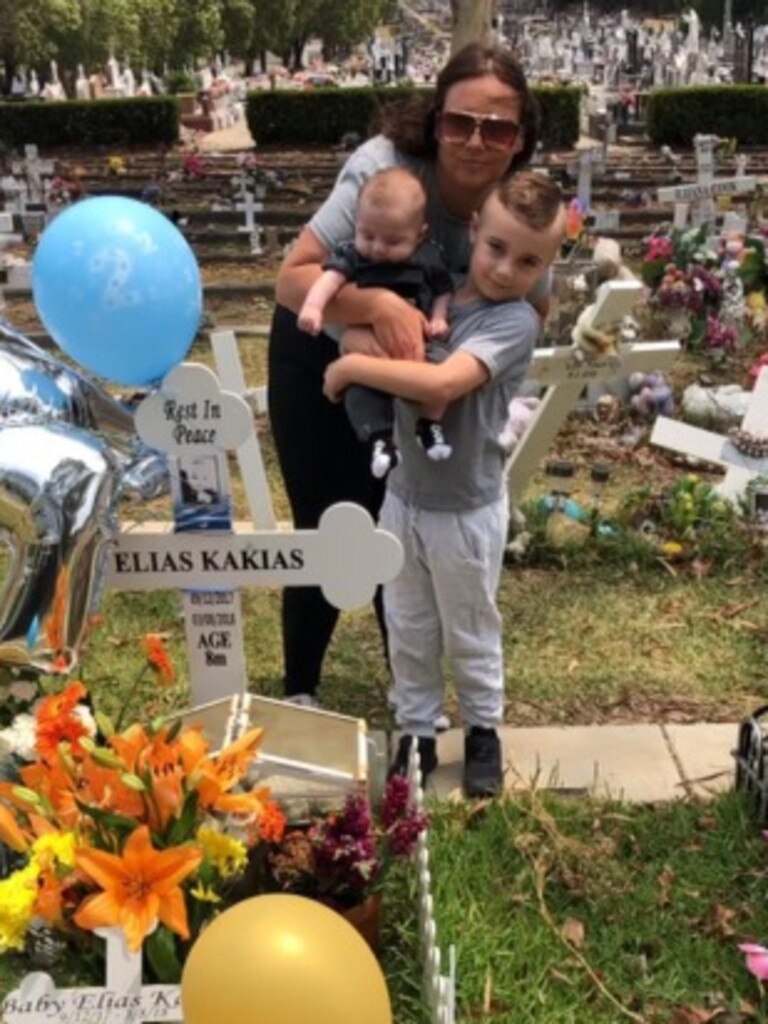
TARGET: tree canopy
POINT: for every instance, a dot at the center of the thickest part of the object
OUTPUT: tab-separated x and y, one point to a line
172	34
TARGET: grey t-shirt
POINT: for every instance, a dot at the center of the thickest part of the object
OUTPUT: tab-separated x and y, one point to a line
502	336
334	222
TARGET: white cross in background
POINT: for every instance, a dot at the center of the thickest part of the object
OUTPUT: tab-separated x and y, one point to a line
703	444
565	377
702	194
248	205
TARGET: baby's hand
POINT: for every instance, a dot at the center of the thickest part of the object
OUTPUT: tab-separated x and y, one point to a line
437	327
310	319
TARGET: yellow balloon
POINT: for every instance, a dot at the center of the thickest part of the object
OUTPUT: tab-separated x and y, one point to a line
282	959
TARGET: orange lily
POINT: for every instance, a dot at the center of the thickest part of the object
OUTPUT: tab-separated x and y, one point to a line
158	657
56	722
140	887
10	833
221	773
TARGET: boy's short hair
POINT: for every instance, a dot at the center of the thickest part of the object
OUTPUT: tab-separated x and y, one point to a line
534	198
394	183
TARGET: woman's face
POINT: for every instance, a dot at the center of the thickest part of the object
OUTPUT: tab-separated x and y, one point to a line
473	156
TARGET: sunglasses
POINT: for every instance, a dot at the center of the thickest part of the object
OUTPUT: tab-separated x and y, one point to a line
496	132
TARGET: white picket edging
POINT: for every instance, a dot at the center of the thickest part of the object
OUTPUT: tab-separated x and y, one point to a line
439	988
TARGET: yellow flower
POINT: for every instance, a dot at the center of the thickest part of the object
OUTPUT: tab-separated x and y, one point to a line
228	856
205	893
18	894
54	846
139	887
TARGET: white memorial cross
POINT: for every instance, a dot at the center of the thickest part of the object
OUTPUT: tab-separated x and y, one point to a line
35	170
248	205
122	1000
703	193
347	556
566	376
704	444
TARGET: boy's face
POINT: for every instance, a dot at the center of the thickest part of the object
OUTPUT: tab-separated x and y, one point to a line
387	234
508	256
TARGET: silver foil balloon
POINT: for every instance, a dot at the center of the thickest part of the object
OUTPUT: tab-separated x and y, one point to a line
59	486
37	388
67	452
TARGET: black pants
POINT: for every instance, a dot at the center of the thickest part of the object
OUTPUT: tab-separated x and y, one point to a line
322	462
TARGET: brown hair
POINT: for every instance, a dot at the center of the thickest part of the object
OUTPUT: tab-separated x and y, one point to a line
534	198
399	183
411	126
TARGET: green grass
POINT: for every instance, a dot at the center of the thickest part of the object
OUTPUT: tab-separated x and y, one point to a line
566	912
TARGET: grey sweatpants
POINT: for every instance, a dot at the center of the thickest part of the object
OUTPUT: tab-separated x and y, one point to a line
443	603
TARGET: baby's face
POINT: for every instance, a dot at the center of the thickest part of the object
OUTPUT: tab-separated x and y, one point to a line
387	234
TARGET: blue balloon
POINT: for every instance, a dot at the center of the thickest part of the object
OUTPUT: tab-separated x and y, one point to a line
118	288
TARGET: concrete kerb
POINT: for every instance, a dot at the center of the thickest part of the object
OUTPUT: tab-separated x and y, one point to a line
634	763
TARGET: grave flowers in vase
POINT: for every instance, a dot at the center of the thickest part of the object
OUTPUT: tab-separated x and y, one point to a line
126	827
342	857
711	289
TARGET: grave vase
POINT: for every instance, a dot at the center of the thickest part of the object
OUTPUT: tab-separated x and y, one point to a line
366	918
679	324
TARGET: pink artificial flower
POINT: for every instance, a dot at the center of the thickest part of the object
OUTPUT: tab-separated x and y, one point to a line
757	959
659	248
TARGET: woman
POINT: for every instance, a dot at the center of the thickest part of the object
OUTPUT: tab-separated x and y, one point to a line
478	126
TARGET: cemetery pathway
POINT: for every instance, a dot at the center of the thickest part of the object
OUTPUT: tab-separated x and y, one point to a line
638	763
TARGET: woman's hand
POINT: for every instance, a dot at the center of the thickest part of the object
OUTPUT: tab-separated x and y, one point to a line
399	327
361	339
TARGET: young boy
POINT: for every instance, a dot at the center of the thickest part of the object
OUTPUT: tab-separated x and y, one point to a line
390	250
453	524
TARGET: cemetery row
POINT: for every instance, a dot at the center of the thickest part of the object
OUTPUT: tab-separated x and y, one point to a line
240	211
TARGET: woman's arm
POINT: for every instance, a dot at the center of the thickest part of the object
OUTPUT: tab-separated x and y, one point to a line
430	383
398	326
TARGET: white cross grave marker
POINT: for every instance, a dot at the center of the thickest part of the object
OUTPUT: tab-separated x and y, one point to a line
566	376
702	194
703	444
248	205
122	1000
347	556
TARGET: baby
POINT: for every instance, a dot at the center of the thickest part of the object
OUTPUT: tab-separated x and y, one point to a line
390	250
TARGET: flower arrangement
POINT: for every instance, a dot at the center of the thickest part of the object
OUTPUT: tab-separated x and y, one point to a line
126	828
341	857
675	518
143	828
717	284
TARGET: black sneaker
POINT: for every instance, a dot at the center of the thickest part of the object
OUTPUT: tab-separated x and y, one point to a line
483	773
430	436
384	456
427	756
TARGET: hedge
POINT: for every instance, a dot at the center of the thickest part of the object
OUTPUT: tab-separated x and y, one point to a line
674	116
108	122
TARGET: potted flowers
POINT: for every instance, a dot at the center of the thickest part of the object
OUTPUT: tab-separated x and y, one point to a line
341	857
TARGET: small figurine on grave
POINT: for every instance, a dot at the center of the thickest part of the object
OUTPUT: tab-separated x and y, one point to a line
651	396
733	306
115	166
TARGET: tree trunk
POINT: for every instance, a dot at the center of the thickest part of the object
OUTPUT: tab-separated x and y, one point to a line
471	22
